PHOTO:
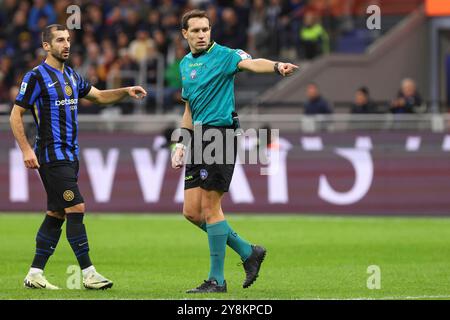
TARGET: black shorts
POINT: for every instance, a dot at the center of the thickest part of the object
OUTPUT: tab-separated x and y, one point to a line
60	179
213	173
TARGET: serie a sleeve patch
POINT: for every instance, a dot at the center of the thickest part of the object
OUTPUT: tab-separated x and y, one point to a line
244	55
23	88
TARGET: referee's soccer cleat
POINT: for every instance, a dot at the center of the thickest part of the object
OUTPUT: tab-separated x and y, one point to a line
38	281
94	280
253	264
209	286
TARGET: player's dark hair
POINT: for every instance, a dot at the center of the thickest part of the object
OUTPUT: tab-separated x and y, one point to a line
193	14
47	34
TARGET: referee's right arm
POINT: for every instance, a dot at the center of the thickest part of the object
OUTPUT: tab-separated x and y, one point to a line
179	152
16	121
186	122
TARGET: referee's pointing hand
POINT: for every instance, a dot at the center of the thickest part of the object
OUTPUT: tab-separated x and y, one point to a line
137	92
286	69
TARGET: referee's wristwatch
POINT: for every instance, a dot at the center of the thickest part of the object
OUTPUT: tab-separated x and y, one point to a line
275	68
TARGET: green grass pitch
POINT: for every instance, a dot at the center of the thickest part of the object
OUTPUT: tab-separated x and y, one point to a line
309	257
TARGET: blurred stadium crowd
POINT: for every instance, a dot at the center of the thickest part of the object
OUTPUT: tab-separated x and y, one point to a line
121	41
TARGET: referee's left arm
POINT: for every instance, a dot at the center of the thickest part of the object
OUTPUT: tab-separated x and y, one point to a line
115	95
267	66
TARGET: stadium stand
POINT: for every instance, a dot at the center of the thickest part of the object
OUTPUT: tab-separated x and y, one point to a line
126	42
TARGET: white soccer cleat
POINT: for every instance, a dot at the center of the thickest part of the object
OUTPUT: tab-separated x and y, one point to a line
38	281
94	280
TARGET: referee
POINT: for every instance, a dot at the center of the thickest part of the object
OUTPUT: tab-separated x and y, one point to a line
51	92
208	89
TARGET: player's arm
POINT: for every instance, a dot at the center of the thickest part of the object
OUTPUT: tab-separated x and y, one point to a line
180	148
115	95
16	121
267	66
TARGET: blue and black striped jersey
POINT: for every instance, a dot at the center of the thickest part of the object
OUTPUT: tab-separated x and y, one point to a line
52	96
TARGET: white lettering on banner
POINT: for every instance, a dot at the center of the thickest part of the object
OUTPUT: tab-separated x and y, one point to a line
101	175
274	154
150	174
179	195
18	177
446	143
240	191
151	167
159	142
312	143
361	161
363	143
413	143
277	177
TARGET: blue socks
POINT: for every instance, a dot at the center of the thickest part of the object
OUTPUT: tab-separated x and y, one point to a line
48	237
76	234
46	240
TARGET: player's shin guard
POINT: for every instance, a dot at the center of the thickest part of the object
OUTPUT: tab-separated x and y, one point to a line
46	240
77	237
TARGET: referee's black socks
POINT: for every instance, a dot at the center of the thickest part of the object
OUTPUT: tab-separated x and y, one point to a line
77	237
46	240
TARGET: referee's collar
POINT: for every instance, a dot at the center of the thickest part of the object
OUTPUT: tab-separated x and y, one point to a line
198	54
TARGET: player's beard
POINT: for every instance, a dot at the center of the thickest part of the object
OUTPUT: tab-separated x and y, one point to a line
59	56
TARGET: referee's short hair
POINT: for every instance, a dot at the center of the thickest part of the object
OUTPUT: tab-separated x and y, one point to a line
47	35
193	14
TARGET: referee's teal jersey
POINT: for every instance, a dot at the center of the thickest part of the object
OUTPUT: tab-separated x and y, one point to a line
208	84
52	96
